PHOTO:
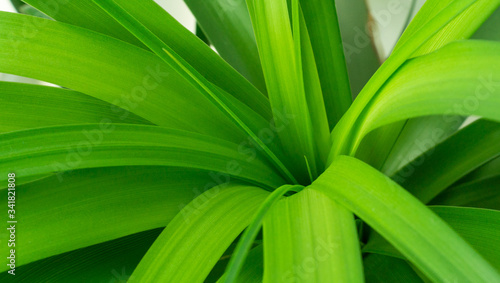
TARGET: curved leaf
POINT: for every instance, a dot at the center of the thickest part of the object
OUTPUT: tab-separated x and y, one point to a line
483	193
441	166
24	106
86	14
479	227
419	234
348	133
88	207
200	83
116	72
446	82
112	261
45	150
245	242
199	235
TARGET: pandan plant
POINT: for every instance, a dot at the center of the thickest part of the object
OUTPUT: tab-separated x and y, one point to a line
159	159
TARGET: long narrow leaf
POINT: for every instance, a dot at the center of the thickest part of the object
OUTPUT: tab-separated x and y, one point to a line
438	168
347	134
193	77
91	206
418	233
54	149
244	244
322	23
228	26
24	106
86	14
278	55
479	227
118	73
199	235
298	247
446	82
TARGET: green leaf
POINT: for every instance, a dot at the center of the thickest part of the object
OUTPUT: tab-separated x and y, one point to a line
489	30
462	27
201	35
86	14
245	243
247	120
417	136
479	227
283	73
322	23
348	134
253	269
461	78
45	150
360	55
419	234
86	207
299	247
482	193
196	238
488	170
439	167
118	73
229	29
24	106
386	269
314	97
112	261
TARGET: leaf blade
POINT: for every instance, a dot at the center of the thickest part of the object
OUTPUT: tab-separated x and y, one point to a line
425	239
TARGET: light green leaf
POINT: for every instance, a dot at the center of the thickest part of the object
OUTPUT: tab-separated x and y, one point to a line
299	247
118	73
245	242
419	234
283	74
24	106
193	242
87	207
46	150
461	27
479	227
247	120
86	14
445	82
439	167
348	134
228	27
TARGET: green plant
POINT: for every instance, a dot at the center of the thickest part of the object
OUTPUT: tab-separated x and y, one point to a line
154	129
